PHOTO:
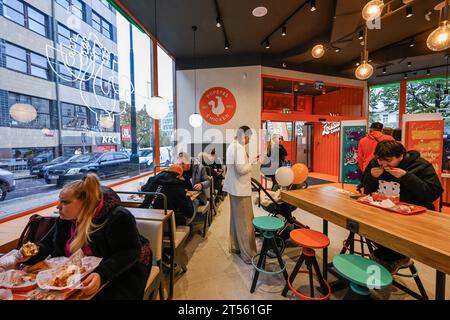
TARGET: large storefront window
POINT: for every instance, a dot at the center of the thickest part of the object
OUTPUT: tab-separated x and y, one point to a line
384	105
166	83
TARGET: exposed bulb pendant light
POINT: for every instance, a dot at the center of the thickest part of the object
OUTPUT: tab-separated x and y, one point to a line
106	121
23	112
439	39
195	119
365	69
372	10
318	51
157	107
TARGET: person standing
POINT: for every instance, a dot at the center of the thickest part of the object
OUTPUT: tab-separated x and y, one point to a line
238	184
276	157
367	145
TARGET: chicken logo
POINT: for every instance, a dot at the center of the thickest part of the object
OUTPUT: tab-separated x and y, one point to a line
217	105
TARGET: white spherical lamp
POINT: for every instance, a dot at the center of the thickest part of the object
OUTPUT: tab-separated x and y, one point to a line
106	122
318	51
157	108
195	120
364	71
439	39
23	112
284	176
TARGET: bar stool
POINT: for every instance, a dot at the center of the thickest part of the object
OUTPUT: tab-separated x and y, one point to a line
309	240
269	226
363	274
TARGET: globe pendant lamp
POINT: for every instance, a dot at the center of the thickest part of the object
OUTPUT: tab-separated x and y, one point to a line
23	112
318	51
439	39
106	122
365	69
195	119
372	10
157	108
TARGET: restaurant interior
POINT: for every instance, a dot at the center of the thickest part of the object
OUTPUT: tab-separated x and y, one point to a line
206	80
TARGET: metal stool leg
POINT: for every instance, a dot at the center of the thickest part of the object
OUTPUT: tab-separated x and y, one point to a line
280	260
260	261
293	274
323	286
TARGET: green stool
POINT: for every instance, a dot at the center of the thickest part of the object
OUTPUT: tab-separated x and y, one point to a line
363	274
269	226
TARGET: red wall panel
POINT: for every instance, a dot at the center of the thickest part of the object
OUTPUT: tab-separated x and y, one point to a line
345	102
326	151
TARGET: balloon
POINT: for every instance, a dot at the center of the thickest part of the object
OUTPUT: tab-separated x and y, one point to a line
284	176
300	173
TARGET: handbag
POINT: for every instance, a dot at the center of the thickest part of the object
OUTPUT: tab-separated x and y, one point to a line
36	229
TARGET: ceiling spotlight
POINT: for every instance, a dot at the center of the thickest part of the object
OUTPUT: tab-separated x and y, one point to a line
384	70
337	49
218	24
227	45
284	64
405	76
361	35
283	31
409	64
428	72
313	5
428	16
372	10
358	63
409	11
412	43
267	44
318	51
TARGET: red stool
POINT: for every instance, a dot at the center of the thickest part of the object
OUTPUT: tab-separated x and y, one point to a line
309	240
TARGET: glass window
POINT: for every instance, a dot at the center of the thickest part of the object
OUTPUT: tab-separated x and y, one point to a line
74	117
44	114
14	10
39	66
384	99
16	58
96	22
37	21
101	25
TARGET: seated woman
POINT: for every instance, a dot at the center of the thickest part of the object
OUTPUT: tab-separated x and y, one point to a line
171	183
91	219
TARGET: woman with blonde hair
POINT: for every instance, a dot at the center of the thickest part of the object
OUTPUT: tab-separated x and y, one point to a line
91	219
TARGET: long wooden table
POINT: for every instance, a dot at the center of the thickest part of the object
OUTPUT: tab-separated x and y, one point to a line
424	237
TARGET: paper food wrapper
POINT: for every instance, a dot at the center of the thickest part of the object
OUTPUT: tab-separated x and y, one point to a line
6	294
69	274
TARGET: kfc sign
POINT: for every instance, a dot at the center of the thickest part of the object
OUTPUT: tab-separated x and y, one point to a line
126	133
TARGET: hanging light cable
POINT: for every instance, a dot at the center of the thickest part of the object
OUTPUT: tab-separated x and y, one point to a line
157	107
195	119
439	39
365	69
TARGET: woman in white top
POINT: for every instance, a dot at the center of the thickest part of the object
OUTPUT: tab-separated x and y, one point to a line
238	184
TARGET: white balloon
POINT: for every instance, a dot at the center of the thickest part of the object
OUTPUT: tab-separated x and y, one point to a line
284	176
157	108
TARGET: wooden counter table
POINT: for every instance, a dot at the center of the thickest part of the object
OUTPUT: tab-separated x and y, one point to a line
424	237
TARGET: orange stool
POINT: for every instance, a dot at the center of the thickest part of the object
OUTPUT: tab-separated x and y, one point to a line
309	240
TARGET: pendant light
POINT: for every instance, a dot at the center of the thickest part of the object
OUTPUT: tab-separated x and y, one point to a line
106	121
372	10
365	69
157	108
439	39
23	112
318	51
195	119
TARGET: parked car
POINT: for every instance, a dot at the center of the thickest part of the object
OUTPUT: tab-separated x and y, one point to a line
39	170
7	183
105	165
145	157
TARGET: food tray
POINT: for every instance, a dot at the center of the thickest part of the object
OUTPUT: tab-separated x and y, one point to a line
416	210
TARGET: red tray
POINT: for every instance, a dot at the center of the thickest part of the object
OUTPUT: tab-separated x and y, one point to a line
417	209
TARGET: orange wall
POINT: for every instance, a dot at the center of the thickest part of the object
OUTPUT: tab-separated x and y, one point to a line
345	102
326	151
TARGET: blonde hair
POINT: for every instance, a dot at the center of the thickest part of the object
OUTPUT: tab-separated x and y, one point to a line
88	191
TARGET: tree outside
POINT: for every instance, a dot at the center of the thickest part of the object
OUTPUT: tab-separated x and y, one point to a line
384	100
144	126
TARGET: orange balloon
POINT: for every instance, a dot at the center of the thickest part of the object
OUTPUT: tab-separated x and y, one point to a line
300	173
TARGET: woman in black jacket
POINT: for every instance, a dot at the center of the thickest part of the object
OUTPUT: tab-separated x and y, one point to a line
419	185
91	219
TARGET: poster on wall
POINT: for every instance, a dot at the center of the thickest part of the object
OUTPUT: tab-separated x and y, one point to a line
427	138
217	105
351	133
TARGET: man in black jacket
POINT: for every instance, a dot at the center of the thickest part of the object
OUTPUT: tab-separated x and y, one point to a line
171	183
419	185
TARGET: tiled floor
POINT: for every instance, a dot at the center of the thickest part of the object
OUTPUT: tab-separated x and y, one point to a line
214	273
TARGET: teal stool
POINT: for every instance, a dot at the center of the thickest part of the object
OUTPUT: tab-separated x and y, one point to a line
268	226
362	273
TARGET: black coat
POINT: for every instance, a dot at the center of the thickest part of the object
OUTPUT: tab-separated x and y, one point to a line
167	183
420	185
126	255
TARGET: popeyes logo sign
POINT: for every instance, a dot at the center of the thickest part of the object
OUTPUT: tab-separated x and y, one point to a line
217	105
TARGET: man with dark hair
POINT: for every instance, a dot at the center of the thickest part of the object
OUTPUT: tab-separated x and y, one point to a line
419	185
367	145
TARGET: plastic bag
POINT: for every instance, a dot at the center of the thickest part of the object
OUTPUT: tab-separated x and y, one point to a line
9	260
